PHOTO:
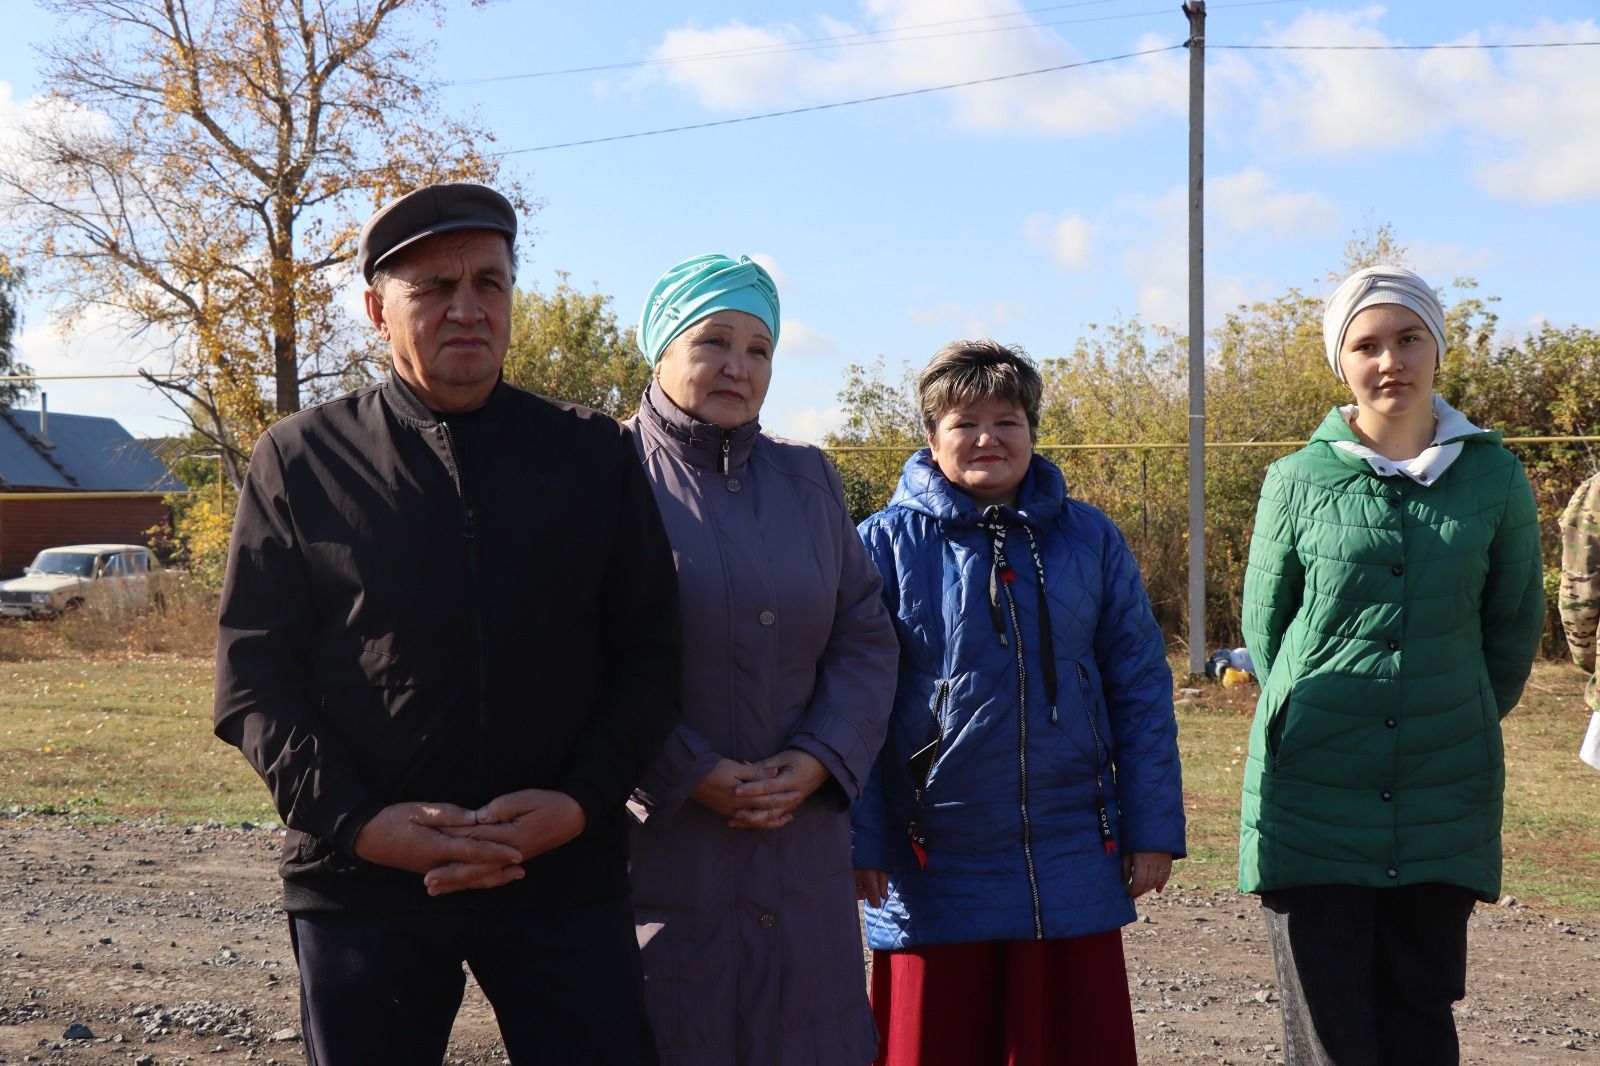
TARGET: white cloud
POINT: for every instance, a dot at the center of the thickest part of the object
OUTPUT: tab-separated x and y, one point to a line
761	77
1546	110
797	339
1251	200
970	320
1083	101
804	423
98	346
352	297
770	265
1156	253
1069	239
1527	116
1445	261
17	116
1154	236
1345	101
889	53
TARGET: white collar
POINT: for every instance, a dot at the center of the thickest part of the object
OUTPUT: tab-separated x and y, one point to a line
1428	467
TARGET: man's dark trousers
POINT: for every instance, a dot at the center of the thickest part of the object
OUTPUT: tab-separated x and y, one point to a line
384	987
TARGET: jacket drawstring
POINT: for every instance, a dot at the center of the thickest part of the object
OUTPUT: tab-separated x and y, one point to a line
994	522
1046	636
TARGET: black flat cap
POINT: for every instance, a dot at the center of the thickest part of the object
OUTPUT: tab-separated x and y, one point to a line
429	210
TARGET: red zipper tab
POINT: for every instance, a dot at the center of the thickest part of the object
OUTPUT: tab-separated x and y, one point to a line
1105	830
917	845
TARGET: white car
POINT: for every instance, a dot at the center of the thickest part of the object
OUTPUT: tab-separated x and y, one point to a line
66	578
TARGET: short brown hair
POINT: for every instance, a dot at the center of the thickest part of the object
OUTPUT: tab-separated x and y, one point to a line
964	372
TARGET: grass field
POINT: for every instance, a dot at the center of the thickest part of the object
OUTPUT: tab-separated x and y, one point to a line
123	738
128	737
1552	821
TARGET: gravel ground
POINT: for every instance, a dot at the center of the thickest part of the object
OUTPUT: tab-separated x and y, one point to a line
154	945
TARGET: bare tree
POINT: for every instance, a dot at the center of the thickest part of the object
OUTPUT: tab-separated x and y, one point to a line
201	174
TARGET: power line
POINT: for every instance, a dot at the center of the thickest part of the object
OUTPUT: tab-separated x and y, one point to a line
852	40
1400	47
1042	70
87	377
841	103
1162	446
810	43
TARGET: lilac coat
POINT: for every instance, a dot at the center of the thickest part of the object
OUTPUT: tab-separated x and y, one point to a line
751	939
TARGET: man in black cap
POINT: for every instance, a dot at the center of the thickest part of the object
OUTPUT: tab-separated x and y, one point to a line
449	645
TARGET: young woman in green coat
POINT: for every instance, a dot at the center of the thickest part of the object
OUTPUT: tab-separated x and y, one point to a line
1393	606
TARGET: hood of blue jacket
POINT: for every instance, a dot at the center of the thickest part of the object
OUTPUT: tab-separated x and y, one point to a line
924	488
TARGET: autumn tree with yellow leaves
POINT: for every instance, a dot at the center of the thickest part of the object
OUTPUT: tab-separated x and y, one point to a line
200	171
1123	389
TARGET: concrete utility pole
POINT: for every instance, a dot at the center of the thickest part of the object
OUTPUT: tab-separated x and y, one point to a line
1196	10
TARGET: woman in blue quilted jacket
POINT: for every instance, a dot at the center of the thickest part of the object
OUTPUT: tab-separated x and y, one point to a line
1029	788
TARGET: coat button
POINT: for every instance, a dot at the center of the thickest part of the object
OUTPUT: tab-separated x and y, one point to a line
1390	722
1394	501
1392	872
768	921
767	618
1397	570
733	484
1394	645
1387	795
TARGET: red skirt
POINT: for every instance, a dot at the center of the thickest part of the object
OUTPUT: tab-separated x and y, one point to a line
1005	1003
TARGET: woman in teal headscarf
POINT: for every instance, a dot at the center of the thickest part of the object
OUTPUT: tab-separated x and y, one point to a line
744	900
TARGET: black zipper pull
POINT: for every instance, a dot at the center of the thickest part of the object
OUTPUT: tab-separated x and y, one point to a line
467	528
1000	574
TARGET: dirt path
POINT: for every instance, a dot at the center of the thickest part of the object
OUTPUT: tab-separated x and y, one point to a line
167	944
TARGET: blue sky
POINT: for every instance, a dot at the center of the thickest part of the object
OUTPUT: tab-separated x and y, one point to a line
1024	209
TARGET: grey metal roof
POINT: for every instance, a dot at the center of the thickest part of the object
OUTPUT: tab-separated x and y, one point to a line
87	453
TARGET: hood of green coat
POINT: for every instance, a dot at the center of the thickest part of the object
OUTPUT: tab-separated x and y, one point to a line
1453	426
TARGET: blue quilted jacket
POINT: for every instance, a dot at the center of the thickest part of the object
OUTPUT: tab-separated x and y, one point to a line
1022	807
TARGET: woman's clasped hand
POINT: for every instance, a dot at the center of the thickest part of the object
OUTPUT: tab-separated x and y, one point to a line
761	795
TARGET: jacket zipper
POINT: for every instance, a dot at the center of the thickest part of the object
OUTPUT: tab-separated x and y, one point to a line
469	535
1022	760
1106	839
919	840
727	449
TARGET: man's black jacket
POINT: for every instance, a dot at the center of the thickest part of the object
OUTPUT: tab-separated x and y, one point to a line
391	634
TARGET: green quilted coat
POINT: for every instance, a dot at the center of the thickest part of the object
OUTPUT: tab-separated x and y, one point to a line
1392	625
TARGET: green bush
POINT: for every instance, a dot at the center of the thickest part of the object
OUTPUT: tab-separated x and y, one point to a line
1267	380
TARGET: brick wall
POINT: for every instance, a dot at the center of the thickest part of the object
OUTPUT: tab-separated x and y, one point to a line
28	525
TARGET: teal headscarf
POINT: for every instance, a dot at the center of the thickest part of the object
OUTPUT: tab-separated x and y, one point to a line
701	286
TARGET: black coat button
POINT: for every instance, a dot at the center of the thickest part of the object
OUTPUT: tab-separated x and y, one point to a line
1390	722
1394	645
1397	570
1392	872
1387	795
1394	501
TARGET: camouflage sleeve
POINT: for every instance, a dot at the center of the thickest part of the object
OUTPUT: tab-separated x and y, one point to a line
1579	599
